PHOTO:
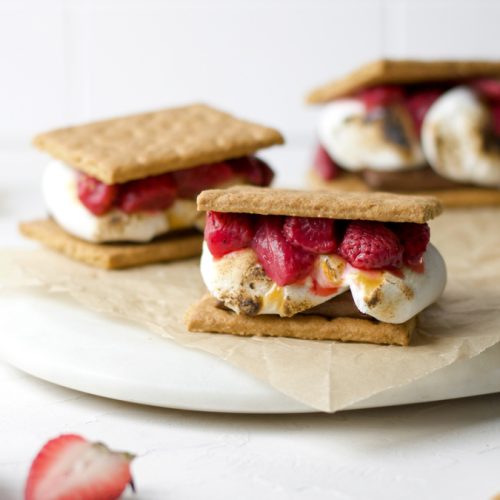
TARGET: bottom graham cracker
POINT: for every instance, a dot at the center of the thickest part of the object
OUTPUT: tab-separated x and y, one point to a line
206	316
113	255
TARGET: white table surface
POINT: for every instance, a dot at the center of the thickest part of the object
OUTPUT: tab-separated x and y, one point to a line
437	450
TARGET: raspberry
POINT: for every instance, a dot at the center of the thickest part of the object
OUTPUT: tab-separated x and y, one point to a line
253	170
95	195
419	103
227	232
326	168
192	181
149	194
380	96
371	245
488	88
282	262
414	238
312	234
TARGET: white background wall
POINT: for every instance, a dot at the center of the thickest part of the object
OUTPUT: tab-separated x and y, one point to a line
66	61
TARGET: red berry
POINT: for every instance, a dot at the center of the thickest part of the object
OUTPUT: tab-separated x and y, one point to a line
371	245
282	262
70	467
253	170
488	88
326	168
495	116
312	234
227	232
150	193
414	238
419	103
95	195
267	173
192	181
380	96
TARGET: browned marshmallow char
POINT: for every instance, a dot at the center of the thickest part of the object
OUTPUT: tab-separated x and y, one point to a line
337	318
118	154
378	148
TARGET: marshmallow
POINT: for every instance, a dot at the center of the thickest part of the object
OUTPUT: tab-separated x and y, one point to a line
238	280
383	139
457	139
59	187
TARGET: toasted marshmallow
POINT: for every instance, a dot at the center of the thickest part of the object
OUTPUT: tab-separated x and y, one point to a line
458	141
395	299
384	139
239	281
59	187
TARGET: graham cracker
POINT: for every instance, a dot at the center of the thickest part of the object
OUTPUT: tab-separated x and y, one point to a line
387	71
113	255
206	316
449	198
137	146
385	207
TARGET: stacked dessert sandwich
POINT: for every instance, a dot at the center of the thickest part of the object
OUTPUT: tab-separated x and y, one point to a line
122	192
317	265
413	126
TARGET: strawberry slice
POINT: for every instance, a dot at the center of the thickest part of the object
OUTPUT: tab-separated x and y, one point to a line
148	194
95	195
70	467
227	232
326	168
419	103
489	88
282	262
380	96
312	234
192	181
253	170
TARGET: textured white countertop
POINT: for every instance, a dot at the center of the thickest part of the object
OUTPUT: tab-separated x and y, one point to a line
437	450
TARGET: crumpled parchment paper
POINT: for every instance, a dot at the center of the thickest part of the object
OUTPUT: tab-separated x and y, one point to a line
327	376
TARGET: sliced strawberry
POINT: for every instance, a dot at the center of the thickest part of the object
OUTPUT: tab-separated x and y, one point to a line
489	88
192	181
282	262
326	168
253	170
380	96
70	467
227	232
148	194
371	245
418	103
414	238
312	234
95	195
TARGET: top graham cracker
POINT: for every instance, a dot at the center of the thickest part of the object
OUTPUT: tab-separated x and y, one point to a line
386	71
137	146
384	207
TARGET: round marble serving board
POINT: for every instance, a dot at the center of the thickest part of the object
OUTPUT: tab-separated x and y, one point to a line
53	338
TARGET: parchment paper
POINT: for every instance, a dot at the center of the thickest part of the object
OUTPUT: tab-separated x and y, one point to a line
327	376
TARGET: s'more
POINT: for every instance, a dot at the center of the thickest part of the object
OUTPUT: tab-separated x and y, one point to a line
323	265
122	192
412	126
